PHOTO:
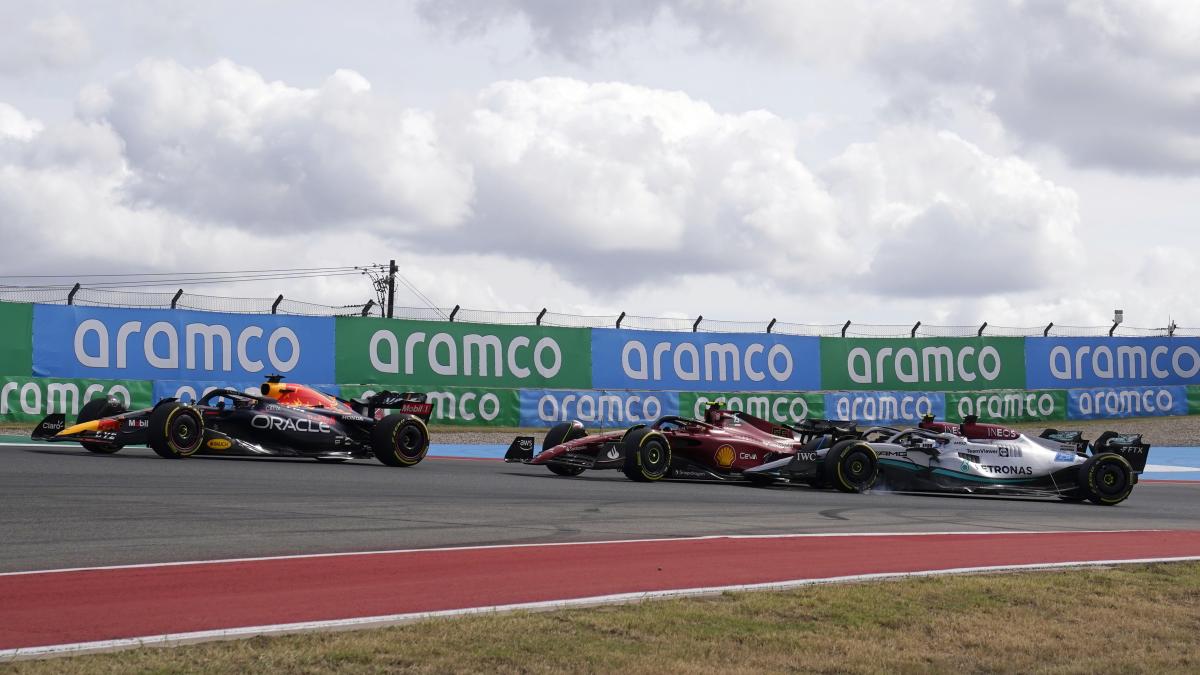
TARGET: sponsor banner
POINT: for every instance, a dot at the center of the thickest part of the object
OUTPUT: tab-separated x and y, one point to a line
922	364
1193	400
16	329
1007	406
778	407
29	399
179	344
1088	404
404	353
458	406
885	407
190	390
632	359
1080	363
547	407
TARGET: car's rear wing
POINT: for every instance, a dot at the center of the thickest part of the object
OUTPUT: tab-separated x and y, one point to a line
409	403
1129	446
812	428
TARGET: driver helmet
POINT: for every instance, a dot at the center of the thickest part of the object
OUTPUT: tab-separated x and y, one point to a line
712	414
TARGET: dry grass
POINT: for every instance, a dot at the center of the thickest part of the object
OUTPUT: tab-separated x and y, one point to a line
1119	620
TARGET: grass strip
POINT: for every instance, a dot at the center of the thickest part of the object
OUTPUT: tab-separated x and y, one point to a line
1127	619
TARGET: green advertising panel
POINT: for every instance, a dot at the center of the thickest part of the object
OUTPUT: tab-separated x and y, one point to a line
29	399
16	339
1007	406
1193	400
922	364
441	354
461	406
775	406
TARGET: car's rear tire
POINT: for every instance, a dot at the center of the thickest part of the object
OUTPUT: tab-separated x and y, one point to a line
851	466
400	440
94	410
175	430
1106	479
647	456
559	434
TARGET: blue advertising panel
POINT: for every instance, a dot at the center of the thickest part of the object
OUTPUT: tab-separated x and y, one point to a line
885	407
179	345
1090	404
633	359
547	407
1085	362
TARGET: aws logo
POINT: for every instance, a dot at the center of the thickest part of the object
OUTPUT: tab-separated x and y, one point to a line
725	456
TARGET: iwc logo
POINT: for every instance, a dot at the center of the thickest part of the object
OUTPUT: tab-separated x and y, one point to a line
725	456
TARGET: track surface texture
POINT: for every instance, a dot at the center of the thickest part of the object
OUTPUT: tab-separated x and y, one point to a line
63	507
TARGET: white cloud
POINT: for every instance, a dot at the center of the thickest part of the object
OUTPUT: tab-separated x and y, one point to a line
1110	83
57	41
223	143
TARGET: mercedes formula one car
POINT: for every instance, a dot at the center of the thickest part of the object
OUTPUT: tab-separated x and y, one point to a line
975	458
287	420
722	446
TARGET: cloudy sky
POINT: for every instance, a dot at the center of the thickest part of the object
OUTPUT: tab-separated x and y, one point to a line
886	162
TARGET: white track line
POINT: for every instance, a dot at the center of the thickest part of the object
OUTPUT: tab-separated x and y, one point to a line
173	639
303	556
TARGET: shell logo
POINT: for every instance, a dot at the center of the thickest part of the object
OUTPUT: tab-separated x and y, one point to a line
725	456
218	444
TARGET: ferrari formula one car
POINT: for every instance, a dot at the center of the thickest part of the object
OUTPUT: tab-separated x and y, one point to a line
723	446
974	458
287	420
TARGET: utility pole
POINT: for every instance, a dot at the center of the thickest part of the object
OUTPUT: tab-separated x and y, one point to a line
391	287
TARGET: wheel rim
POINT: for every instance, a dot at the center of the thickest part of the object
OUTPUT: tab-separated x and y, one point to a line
857	467
1111	480
409	442
185	433
655	457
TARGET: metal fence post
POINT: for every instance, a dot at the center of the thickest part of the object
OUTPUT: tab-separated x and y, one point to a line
454	312
913	334
367	307
1046	332
620	319
71	295
696	325
175	300
844	327
980	333
770	325
275	305
540	315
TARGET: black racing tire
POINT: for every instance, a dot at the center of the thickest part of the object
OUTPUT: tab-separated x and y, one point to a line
851	466
647	456
559	434
400	440
175	430
1101	440
1106	479
94	410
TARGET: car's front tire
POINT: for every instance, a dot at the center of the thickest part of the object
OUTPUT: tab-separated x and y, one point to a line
94	410
559	434
851	466
400	440
175	430
1107	479
647	456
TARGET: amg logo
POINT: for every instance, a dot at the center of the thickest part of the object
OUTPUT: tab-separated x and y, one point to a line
1023	470
288	424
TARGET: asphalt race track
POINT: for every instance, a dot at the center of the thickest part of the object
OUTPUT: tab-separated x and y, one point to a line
64	507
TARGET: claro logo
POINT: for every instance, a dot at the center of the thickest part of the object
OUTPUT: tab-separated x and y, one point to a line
213	342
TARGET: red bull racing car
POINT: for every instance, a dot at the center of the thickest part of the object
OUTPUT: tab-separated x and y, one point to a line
286	420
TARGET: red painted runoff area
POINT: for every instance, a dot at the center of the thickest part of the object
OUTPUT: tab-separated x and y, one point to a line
52	608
